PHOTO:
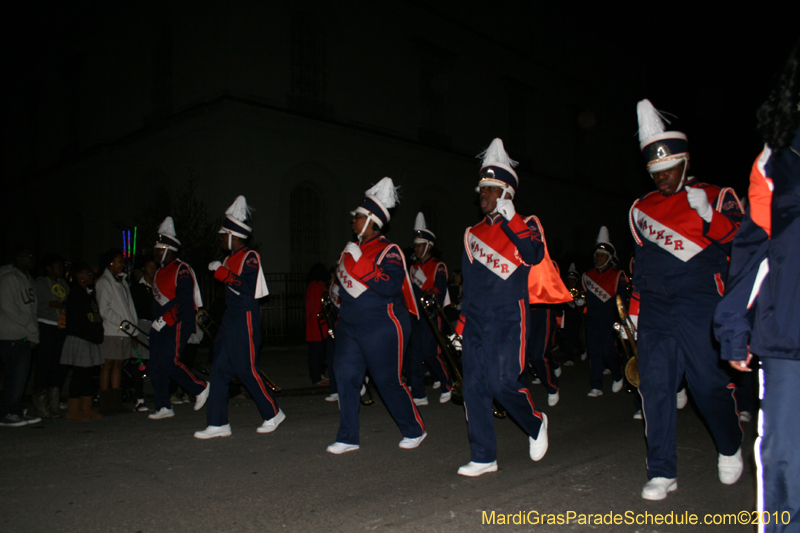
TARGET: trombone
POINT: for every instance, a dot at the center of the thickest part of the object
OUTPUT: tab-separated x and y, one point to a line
432	310
132	330
628	342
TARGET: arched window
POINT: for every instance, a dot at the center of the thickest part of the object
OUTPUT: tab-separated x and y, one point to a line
307	232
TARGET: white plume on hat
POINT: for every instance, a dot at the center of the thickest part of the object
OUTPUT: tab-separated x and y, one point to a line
239	209
384	192
419	222
496	153
602	236
650	121
167	228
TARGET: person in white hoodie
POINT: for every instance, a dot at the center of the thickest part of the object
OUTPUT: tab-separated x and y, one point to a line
19	333
116	306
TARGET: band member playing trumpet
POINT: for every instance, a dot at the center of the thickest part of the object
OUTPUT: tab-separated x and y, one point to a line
239	339
602	284
683	232
374	325
500	252
176	300
426	274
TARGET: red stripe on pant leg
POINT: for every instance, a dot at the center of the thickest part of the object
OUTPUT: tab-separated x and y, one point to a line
399	329
253	369
522	336
527	394
177	359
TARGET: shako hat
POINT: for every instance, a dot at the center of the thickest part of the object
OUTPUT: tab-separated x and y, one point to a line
166	236
378	200
661	149
235	216
497	169
604	243
422	234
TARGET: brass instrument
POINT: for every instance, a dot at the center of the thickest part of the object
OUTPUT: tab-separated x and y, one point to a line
132	330
206	323
432	310
326	320
327	317
627	326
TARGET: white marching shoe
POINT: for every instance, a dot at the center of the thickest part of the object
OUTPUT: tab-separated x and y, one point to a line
333	397
538	446
421	401
745	416
200	401
408	444
658	487
437	384
616	386
594	393
445	397
637	415
164	412
552	399
472	469
214	431
557	372
682	398
338	448
272	424
730	467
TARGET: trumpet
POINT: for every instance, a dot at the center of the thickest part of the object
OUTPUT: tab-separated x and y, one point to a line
628	342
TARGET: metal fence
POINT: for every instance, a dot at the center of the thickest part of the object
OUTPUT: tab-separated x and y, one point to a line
283	318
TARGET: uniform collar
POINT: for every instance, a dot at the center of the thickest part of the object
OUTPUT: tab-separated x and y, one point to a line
492	219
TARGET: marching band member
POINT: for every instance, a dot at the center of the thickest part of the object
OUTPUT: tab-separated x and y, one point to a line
682	233
176	298
602	284
374	324
499	254
426	274
759	314
239	339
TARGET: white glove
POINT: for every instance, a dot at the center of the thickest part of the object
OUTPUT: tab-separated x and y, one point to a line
214	265
505	207
456	340
698	200
580	302
353	249
158	324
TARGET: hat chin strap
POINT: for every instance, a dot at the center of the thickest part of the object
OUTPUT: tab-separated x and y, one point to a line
361	233
608	260
683	175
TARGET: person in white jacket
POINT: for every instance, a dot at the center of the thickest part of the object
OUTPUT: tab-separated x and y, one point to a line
116	306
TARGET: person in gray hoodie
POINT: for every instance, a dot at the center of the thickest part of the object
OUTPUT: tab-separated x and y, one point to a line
19	333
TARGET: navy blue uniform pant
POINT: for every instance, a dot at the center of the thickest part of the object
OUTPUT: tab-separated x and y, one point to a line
423	351
494	343
776	447
601	343
236	353
676	339
540	347
376	344
166	347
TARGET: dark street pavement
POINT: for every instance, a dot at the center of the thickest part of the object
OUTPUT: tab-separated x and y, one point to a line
130	474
